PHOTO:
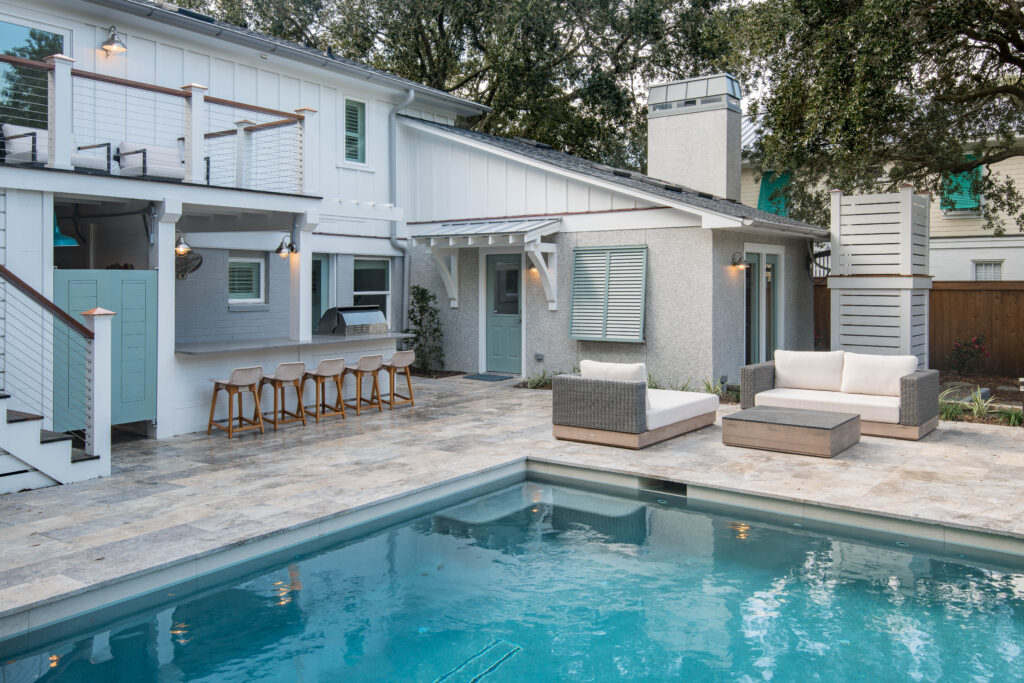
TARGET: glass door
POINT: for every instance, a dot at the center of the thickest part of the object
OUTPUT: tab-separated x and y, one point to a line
762	299
321	286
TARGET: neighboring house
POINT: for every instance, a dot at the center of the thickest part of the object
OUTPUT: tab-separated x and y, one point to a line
541	259
960	249
239	145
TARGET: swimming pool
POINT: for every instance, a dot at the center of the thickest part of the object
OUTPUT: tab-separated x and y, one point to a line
540	581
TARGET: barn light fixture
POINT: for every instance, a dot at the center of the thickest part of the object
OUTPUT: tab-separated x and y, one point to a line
181	247
738	260
286	247
113	44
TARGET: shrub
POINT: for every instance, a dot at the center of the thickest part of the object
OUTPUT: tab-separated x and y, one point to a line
1010	416
979	406
950	410
964	357
652	383
541	380
425	328
711	386
685	386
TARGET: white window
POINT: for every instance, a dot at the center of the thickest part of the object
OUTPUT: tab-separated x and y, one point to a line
246	279
988	270
371	284
355	131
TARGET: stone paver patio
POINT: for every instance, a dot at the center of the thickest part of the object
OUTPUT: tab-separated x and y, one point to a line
171	500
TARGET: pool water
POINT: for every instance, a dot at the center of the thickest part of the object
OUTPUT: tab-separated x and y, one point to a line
542	582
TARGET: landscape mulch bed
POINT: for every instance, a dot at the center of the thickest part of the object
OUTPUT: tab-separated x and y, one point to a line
1004	389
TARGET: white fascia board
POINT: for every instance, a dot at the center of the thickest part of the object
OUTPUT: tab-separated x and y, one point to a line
709	219
642	219
989	242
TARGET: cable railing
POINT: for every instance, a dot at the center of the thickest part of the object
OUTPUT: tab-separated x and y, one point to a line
46	359
141	130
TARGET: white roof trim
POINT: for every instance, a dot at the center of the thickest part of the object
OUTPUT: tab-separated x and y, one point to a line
458	234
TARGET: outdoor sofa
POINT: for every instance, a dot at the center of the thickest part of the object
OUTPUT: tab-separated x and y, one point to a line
25	145
892	397
610	404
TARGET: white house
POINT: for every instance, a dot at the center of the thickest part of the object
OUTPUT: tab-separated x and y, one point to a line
542	259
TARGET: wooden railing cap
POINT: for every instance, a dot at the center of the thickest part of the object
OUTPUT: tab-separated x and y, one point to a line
94	312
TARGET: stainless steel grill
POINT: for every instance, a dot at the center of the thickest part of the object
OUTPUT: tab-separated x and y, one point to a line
352	321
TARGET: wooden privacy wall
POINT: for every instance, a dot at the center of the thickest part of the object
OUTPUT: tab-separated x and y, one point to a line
967	309
822	315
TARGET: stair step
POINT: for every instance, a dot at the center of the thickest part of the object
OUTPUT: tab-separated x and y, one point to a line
14	416
46	436
4	394
78	455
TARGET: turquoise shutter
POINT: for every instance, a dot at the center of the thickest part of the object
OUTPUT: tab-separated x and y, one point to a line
957	194
608	293
772	197
355	131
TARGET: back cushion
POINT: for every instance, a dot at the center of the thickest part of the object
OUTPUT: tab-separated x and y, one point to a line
821	370
875	375
24	145
630	372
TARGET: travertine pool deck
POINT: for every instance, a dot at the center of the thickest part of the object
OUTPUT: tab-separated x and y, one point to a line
170	502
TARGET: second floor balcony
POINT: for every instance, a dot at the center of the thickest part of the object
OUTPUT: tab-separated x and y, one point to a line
55	116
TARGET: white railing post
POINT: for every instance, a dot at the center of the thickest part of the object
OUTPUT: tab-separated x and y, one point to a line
97	437
243	144
309	178
58	111
195	134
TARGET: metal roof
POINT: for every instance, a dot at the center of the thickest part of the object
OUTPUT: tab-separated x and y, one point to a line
482	233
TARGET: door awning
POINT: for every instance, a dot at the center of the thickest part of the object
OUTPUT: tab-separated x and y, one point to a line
494	233
443	244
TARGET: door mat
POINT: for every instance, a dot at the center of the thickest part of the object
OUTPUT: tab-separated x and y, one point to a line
486	377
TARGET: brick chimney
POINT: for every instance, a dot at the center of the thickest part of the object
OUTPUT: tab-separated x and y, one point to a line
693	134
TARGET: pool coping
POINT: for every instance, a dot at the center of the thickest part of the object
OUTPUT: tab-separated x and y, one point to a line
25	619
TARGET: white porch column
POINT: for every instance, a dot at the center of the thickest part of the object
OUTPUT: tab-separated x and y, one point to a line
243	143
195	134
97	436
309	129
58	116
161	259
301	278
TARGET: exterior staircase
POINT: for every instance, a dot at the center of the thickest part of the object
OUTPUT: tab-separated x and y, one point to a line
33	457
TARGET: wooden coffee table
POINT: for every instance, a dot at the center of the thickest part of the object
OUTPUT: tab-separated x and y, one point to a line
791	430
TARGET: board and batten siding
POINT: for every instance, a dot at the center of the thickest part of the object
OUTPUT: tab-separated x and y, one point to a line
445	180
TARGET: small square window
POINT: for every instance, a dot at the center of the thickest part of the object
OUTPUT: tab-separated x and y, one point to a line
988	270
246	280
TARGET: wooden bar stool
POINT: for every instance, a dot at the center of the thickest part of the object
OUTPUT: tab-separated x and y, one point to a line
242	380
400	361
367	365
329	370
286	373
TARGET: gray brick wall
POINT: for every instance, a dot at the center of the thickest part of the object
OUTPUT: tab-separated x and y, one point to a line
204	314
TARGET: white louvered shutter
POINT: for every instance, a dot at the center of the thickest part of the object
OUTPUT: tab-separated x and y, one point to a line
608	288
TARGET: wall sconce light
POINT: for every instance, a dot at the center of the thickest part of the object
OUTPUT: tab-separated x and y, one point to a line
738	260
181	247
286	247
113	44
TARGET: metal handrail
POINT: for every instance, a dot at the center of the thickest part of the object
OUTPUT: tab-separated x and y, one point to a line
45	303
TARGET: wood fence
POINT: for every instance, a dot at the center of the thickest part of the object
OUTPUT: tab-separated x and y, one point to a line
960	310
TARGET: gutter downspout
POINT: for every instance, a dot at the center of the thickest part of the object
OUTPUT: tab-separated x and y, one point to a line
393	193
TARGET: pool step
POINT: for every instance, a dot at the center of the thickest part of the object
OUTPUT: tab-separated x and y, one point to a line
484	662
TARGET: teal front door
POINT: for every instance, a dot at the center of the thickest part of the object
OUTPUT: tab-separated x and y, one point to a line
131	294
504	313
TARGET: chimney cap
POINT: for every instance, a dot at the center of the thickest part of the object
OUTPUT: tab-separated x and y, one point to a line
690	88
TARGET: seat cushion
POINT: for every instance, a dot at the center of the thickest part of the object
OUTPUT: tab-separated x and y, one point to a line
95	162
876	375
19	150
628	372
822	370
870	408
667	407
161	162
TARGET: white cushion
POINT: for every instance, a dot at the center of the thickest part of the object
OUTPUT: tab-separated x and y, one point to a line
875	375
870	408
97	162
161	162
628	372
809	370
19	150
667	407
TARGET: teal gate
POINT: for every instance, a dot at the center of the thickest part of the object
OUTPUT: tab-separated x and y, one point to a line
132	295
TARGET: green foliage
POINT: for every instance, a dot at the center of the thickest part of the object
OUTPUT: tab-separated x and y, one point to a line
964	356
979	406
1010	416
951	410
685	386
425	326
712	386
541	380
652	383
867	95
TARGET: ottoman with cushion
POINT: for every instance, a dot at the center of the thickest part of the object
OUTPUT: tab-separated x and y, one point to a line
892	397
610	404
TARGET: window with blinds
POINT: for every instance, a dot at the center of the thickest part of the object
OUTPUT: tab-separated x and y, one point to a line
245	280
988	270
355	131
608	293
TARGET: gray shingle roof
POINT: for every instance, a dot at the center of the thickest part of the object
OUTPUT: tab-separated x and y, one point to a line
631	179
169	13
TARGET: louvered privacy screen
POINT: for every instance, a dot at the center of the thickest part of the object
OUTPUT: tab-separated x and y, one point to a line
608	286
355	131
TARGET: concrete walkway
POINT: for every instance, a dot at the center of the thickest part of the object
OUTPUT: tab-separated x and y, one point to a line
172	500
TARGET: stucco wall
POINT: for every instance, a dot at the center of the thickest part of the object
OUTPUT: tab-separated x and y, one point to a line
460	325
